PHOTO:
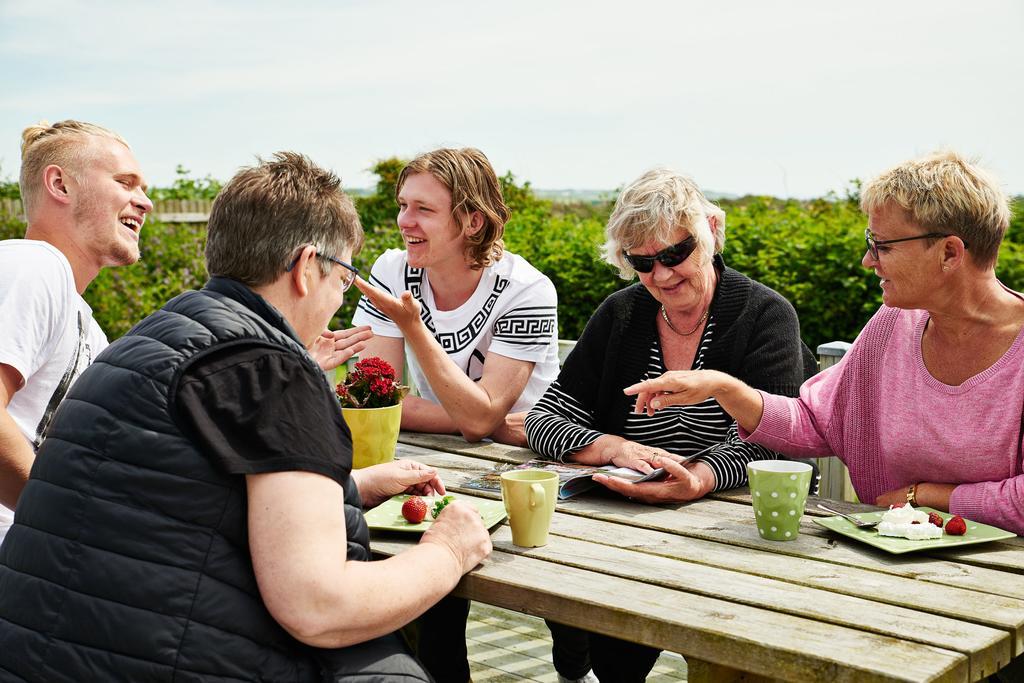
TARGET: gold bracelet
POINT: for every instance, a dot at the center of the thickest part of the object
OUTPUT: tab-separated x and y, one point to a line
912	494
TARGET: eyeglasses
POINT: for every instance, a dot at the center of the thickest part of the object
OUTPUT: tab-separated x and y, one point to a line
348	276
874	244
668	257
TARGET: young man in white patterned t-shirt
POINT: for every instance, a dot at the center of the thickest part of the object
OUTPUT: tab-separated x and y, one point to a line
479	325
85	202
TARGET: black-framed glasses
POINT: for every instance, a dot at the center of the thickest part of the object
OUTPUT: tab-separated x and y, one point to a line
874	244
668	257
348	275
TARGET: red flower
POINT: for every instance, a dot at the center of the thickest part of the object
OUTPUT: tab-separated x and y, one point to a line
371	384
376	367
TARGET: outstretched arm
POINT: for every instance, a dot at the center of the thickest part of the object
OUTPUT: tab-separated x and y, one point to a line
689	387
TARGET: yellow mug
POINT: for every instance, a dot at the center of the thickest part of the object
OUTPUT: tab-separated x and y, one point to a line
529	497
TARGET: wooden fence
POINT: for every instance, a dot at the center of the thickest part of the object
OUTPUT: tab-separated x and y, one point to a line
168	211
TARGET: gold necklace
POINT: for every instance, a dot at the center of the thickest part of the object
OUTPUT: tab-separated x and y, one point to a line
703	317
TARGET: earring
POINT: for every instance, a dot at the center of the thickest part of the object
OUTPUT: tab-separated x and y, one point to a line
945	268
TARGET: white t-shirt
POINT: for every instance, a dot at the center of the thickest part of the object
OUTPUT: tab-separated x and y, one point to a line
513	312
47	333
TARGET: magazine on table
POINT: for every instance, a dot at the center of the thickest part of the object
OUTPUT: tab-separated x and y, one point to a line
573	477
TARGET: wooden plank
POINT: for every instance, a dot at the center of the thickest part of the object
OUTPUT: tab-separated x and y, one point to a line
1005	557
901	593
717	631
987	649
730	523
450	443
699	671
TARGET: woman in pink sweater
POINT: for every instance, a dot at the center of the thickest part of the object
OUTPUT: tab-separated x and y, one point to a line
928	404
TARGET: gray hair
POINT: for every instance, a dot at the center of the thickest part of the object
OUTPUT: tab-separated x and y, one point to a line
652	208
267	212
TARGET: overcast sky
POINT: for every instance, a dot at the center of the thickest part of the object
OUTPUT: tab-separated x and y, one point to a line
784	98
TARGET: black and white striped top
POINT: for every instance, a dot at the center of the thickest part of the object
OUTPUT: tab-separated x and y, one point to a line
559	425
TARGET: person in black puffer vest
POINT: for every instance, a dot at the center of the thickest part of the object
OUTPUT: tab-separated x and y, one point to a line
192	514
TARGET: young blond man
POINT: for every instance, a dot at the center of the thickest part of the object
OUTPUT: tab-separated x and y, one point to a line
478	324
85	202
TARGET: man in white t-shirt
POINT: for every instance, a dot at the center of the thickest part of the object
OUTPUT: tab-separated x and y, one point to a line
480	325
85	202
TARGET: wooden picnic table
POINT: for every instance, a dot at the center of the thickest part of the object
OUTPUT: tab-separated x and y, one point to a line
697	579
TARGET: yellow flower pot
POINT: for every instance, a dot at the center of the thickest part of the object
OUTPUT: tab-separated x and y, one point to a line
374	434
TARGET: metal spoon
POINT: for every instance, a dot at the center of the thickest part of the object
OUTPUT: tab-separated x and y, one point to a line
859	523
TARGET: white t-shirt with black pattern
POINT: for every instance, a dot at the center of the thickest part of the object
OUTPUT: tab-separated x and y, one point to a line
513	313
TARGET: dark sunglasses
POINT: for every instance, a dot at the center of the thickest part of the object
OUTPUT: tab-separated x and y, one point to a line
668	257
348	275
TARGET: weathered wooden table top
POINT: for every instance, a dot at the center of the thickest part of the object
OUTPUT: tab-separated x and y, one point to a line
698	580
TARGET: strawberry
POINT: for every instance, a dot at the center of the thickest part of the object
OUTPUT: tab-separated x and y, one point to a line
936	519
956	526
414	510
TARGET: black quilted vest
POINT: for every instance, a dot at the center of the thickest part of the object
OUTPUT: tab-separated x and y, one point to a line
129	558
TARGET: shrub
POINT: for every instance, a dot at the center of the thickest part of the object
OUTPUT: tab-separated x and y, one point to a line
808	251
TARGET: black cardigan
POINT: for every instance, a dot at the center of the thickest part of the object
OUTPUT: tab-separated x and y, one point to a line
757	339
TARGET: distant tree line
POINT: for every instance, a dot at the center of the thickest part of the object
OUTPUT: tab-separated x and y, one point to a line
807	250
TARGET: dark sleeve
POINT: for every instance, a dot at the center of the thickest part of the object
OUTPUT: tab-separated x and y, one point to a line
773	361
774	358
562	421
260	409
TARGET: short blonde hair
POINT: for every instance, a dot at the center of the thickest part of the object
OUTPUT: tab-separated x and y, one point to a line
474	186
944	192
653	207
65	144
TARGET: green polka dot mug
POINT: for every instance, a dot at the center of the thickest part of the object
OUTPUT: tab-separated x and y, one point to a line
778	489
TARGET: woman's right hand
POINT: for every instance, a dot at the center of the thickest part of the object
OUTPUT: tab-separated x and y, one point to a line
460	529
676	388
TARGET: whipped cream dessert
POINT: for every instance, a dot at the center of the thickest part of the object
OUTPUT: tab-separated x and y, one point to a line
906	522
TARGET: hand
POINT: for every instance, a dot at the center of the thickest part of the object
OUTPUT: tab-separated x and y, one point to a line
640	457
460	529
379	482
332	348
512	431
675	388
684	482
403	311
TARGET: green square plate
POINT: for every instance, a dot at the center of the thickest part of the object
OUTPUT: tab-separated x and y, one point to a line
388	515
976	533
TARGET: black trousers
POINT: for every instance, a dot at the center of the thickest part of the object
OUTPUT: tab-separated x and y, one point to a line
575	651
439	639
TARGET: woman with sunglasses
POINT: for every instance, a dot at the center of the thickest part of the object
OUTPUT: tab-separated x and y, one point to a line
927	407
689	311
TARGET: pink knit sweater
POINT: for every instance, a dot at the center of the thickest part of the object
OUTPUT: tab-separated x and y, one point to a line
893	424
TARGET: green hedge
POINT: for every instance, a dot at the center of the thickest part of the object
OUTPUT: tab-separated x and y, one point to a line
809	251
